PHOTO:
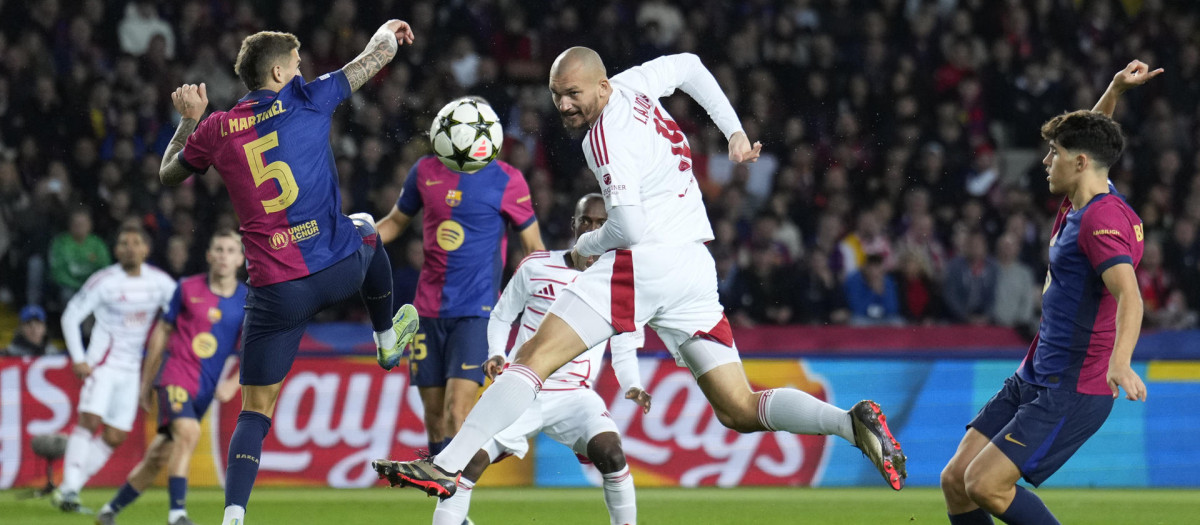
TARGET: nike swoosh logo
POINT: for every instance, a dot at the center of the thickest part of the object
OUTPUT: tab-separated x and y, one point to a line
1008	437
469	367
433	182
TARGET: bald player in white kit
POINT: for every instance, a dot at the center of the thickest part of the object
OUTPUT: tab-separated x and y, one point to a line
652	268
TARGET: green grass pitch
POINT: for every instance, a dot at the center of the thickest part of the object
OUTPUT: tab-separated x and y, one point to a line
289	506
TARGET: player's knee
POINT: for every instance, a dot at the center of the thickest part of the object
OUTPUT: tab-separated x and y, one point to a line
185	432
605	452
984	492
89	422
952	478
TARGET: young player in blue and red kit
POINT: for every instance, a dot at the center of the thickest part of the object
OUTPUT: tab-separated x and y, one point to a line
199	332
1065	387
272	150
465	239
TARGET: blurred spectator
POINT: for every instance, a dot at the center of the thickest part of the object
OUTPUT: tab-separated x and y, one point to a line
31	339
764	291
867	239
141	25
970	282
920	296
821	299
1017	293
76	254
405	276
872	294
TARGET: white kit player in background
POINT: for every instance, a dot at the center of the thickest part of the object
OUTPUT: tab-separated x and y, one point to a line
653	268
126	299
567	410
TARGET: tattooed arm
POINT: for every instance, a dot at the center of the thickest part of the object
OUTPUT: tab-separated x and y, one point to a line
379	51
190	100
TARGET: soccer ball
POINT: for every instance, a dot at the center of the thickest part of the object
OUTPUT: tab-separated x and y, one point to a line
466	134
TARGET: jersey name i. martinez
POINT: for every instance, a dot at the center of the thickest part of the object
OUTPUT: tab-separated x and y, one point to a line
272	150
640	156
207	330
540	279
465	238
1078	326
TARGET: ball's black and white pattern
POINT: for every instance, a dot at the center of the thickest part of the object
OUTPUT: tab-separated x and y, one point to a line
466	134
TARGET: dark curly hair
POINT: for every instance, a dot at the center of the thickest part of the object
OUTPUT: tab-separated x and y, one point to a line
1091	132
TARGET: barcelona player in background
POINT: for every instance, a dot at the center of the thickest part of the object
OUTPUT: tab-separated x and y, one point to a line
465	245
272	150
1091	316
201	329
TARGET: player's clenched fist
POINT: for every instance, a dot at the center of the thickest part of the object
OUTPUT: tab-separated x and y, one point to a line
493	366
190	100
641	397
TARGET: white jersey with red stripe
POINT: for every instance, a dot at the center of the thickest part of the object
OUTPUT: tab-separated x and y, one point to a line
125	308
640	156
539	280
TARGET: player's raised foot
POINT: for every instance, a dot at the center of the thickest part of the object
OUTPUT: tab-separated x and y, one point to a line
875	440
182	520
405	324
420	473
106	516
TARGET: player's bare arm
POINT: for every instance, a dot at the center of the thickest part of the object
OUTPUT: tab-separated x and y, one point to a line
1134	74
229	386
1122	284
153	362
531	239
392	225
190	101
378	53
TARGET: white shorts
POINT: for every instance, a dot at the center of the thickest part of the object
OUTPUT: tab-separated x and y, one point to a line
111	394
570	417
673	289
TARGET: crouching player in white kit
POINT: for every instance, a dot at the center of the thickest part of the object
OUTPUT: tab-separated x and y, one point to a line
126	299
567	410
653	268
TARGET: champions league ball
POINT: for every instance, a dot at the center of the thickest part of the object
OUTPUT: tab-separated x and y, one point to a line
466	134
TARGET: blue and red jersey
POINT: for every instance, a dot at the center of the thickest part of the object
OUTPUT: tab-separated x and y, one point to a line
464	233
272	149
1079	315
207	330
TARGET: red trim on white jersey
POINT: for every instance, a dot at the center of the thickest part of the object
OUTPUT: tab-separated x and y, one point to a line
622	293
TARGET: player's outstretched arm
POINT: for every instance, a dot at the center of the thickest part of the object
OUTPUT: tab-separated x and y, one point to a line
153	362
190	101
379	51
1134	74
392	225
1122	284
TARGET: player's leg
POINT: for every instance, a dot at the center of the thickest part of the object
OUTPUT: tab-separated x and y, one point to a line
185	431
139	478
722	378
959	506
997	413
453	510
604	450
433	398
75	460
466	348
428	370
392	328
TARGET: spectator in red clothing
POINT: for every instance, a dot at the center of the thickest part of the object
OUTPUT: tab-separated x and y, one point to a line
920	298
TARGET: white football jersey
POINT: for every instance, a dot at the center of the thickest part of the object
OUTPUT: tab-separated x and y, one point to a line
125	308
540	279
640	156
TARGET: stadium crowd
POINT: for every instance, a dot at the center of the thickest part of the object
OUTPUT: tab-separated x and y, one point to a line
887	192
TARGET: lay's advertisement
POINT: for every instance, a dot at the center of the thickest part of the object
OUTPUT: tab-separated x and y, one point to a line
336	414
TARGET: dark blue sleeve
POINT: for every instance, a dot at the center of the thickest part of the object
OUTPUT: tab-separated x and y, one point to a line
175	305
409	202
327	91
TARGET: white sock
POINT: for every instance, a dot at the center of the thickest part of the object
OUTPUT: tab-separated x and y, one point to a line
76	459
453	510
798	412
620	498
385	339
175	514
501	405
105	508
234	515
97	456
